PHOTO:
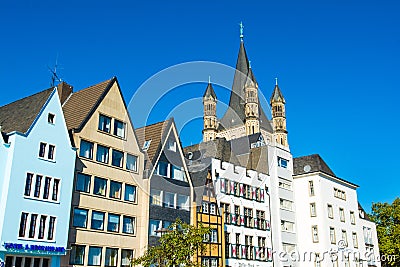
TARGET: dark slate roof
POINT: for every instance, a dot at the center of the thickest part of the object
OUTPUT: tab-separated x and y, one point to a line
199	179
19	115
210	92
362	214
316	163
81	105
235	115
277	95
237	152
156	133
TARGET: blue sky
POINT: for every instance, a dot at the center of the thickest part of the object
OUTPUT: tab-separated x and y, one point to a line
337	63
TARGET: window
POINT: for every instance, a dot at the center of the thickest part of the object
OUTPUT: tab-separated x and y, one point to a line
51	118
171	145
155	197
52	224
285	184
154	225
56	185
102	154
104	123
177	173
146	145
77	255
38	185
287	226
130	193
28	184
162	168
314	230
212	208
119	128
311	188
117	158
82	183
86	149
313	210
32	226
330	211
42	223
113	223
115	189
317	260
332	235
22	224
355	240
352	217
94	258
42	149
131	162
341	214
288	247
344	236
286	204
128	225
205	207
80	217
100	186
183	202
283	163
97	222
214	236
169	200
50	153
248	217
339	193
46	192
126	257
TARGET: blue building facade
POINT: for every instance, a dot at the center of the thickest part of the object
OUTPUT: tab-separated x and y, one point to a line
36	179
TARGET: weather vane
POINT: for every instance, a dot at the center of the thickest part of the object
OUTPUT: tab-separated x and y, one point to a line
241	30
276	81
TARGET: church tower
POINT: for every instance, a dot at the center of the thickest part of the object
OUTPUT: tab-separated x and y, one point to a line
210	114
252	121
277	103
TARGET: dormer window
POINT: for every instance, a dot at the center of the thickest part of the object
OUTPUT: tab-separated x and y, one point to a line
51	118
172	145
146	145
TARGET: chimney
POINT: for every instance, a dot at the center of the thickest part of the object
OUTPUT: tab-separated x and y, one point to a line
64	91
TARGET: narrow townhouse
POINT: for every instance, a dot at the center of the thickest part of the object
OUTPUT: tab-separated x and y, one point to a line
108	216
36	178
170	191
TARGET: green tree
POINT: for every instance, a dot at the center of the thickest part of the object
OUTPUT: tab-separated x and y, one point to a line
177	245
387	219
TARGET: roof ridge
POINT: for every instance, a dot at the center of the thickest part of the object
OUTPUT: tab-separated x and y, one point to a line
24	98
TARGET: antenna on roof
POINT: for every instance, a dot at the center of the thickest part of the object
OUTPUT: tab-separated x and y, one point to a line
54	76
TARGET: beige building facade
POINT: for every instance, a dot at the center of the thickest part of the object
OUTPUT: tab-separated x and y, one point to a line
109	206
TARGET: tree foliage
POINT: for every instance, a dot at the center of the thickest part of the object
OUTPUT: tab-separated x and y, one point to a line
387	219
176	247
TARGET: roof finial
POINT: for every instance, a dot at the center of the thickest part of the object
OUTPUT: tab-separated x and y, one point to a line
209	79
276	80
249	64
241	31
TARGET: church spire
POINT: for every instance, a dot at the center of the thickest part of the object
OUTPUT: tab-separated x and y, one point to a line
210	113
277	102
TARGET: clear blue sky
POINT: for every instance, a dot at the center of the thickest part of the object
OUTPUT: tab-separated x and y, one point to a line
337	63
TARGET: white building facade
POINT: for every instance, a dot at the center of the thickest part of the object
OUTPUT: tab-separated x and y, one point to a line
331	232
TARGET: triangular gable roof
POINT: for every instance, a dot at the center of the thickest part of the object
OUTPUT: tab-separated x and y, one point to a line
81	105
156	133
19	115
315	162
